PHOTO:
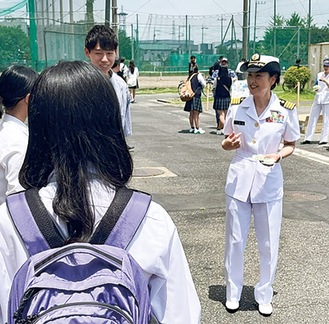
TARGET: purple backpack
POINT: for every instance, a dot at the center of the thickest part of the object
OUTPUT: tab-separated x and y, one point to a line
95	282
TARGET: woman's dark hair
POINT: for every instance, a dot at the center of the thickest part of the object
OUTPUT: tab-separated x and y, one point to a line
75	135
16	82
277	80
132	66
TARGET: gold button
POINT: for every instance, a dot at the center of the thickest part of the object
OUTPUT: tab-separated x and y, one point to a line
256	124
253	141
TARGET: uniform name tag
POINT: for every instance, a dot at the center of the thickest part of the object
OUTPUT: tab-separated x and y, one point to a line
239	122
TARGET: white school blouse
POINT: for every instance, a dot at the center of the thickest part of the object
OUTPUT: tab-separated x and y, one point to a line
13	144
156	247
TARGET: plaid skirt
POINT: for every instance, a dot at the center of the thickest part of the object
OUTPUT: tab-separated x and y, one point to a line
194	104
221	103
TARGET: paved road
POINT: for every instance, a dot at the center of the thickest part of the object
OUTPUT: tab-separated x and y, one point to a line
190	186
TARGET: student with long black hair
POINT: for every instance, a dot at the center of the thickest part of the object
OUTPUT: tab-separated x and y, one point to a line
15	85
77	158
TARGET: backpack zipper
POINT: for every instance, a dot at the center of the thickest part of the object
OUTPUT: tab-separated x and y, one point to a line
63	250
37	317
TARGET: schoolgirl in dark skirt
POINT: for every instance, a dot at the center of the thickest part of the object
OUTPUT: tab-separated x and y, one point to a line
222	97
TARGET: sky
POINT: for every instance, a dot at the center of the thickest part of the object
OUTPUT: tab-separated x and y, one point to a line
208	28
223	9
209	20
319	8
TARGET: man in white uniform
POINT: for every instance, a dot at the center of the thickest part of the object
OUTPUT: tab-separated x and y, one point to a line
320	104
255	128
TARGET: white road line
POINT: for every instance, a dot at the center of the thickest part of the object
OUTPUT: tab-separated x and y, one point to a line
312	156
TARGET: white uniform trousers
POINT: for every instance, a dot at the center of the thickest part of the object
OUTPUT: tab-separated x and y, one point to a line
267	223
313	119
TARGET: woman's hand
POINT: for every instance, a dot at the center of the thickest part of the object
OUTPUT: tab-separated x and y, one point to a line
271	159
232	142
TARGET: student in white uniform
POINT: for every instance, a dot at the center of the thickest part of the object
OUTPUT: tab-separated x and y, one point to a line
76	157
101	47
255	128
15	85
320	104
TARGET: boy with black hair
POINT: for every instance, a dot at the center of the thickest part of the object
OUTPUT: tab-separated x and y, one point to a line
101	47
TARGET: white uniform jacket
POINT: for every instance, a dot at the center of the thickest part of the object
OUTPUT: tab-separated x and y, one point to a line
247	178
122	92
322	95
13	144
156	247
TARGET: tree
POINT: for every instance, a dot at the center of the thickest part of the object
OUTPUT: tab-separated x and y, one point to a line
90	12
14	46
292	38
124	44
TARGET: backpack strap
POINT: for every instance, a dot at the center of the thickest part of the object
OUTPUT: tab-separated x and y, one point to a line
126	220
39	232
30	217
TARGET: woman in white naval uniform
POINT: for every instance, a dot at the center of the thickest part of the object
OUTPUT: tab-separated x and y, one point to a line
77	156
255	129
320	104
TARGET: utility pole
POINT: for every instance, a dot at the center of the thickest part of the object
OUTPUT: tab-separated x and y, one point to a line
33	35
115	16
132	43
90	13
309	21
61	17
137	40
256	3
274	31
107	12
186	33
71	12
245	29
249	24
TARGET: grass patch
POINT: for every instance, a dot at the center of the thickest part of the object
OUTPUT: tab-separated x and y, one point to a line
305	95
157	90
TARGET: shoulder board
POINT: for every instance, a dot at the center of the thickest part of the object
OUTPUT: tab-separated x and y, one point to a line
237	100
287	104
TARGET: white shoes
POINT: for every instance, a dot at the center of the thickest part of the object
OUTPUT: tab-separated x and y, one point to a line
265	309
199	131
219	132
232	306
191	130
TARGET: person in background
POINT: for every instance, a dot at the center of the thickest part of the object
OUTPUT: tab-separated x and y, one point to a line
123	69
239	74
192	66
101	47
116	66
77	165
231	73
320	104
222	97
194	106
16	83
132	80
215	67
256	129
